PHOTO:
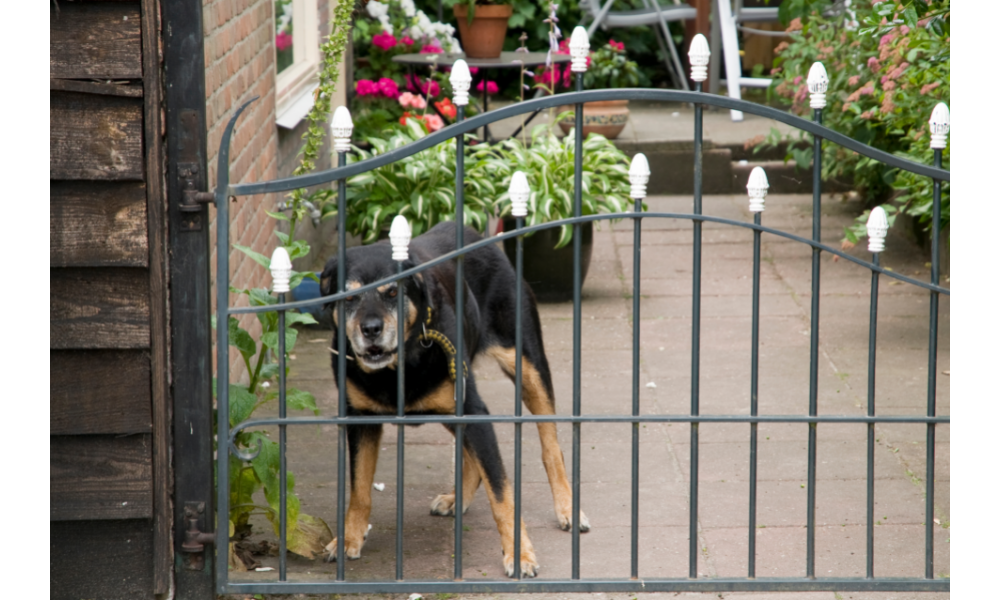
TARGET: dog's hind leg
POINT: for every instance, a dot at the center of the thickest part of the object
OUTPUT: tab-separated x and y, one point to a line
363	441
481	445
444	505
537	396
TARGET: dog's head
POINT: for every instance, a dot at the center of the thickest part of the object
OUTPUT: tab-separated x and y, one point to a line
371	317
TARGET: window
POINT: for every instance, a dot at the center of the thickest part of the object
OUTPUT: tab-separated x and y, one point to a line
296	47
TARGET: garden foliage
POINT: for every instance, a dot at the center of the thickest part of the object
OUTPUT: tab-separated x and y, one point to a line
887	72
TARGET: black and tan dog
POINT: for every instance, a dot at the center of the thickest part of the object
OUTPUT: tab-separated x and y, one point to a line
430	370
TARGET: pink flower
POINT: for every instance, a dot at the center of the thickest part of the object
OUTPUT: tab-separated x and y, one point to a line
473	70
388	88
408	100
433	122
283	41
432	48
886	38
853	81
905	29
491	87
873	64
930	86
407	40
619	46
797	80
431	88
384	40
898	71
365	87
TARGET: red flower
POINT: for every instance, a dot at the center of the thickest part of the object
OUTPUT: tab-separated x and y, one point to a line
491	87
447	108
619	46
384	40
283	41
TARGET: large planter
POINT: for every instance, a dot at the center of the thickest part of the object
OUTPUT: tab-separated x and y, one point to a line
484	38
548	271
607	118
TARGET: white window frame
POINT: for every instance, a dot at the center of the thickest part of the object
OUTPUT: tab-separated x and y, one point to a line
300	78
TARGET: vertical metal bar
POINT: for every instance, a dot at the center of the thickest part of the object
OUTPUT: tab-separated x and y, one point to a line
222	368
814	355
459	336
577	320
282	461
518	343
636	288
754	354
400	411
872	325
695	342
932	376
341	365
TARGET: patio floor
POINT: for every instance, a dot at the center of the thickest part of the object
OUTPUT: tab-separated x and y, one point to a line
664	453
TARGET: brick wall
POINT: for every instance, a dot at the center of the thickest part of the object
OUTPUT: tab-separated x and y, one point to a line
240	64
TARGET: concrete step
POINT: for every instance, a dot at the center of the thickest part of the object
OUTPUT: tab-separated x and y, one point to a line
725	169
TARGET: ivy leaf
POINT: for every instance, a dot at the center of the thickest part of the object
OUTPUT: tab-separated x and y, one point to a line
241	403
256	256
240	339
270	339
301	400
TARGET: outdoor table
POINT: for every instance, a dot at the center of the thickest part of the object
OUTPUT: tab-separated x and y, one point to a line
507	60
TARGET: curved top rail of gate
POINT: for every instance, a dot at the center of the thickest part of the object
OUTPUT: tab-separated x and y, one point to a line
528	106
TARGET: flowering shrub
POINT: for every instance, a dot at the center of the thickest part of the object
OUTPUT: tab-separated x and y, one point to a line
885	79
607	67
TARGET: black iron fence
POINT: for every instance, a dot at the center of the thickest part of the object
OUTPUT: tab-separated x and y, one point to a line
812	420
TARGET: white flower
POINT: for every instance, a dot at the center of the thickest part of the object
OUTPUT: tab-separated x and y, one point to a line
408	8
377	9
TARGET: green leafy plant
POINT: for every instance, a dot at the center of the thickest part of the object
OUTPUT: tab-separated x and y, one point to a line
886	76
610	68
548	164
420	187
307	535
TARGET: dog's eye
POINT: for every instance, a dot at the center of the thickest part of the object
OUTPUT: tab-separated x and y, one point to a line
350	299
391	293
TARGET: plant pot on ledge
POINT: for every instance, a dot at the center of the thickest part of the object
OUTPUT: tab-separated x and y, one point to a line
484	37
607	118
549	271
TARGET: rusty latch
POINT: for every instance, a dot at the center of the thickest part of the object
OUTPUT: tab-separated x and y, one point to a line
194	538
192	199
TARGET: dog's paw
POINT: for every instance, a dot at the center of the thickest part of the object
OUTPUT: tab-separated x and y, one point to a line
352	549
566	522
529	564
444	505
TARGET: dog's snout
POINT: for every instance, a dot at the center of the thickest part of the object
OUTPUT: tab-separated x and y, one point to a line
371	327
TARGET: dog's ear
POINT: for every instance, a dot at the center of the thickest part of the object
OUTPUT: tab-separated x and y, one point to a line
328	278
416	286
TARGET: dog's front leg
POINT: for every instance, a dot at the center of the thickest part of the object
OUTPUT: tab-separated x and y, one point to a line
363	442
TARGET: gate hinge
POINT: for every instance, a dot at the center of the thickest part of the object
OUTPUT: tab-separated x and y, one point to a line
192	199
194	538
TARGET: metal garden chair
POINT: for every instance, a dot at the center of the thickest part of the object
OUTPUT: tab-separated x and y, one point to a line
651	14
730	18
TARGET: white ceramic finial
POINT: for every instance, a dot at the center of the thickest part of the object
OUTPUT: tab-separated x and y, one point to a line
638	176
817	82
342	128
461	81
757	189
519	193
579	49
878	227
698	55
399	237
281	270
940	126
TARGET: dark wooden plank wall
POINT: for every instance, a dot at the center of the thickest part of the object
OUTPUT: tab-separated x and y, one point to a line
109	471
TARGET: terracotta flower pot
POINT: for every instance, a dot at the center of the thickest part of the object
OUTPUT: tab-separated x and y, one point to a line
607	118
484	38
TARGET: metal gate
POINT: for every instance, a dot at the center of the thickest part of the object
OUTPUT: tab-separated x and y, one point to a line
817	84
